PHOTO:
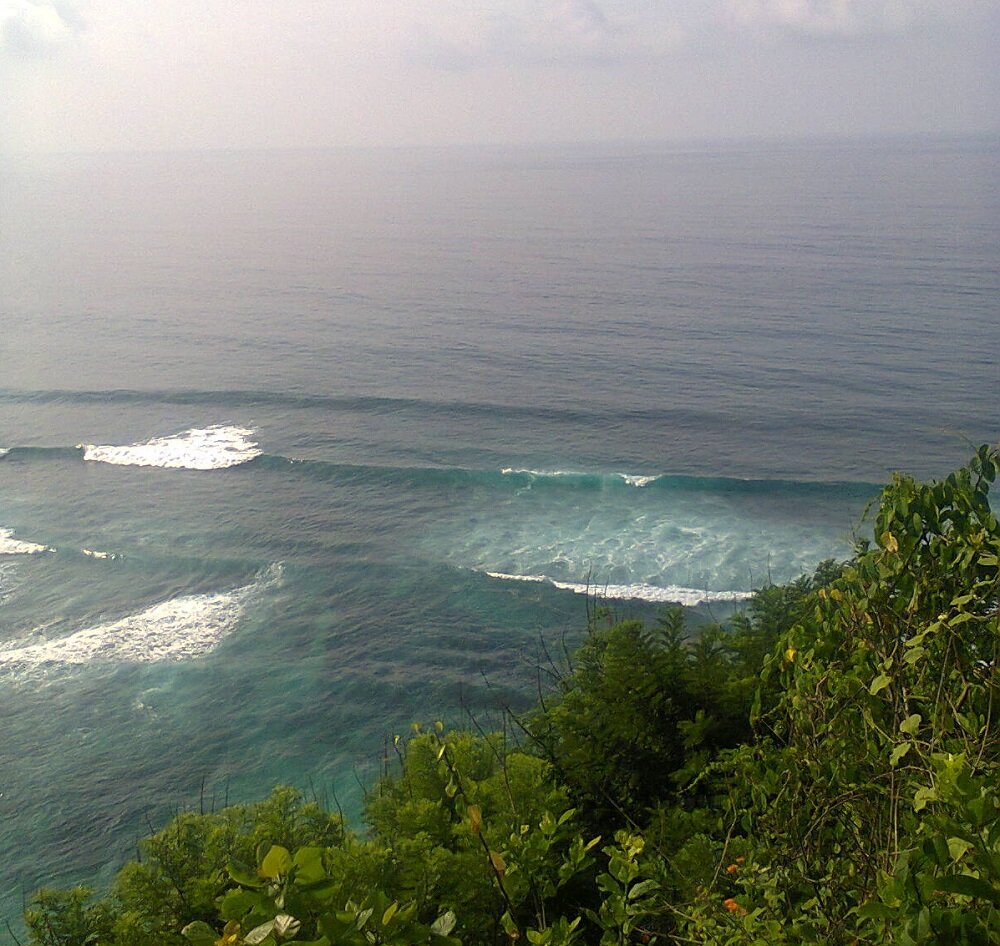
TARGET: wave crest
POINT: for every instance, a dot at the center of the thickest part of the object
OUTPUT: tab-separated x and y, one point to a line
11	546
200	448
669	594
580	478
183	628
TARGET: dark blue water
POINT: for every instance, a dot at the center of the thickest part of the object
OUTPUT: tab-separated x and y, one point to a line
304	446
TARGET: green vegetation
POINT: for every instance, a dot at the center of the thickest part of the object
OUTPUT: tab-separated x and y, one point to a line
825	769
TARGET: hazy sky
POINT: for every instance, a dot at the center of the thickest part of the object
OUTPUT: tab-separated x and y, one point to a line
80	75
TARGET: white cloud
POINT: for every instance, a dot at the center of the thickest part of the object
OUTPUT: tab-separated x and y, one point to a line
539	33
579	21
845	18
36	27
245	73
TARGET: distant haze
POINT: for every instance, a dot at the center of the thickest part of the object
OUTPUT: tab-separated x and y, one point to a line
85	75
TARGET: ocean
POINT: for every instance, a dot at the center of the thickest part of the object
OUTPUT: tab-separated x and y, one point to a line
300	447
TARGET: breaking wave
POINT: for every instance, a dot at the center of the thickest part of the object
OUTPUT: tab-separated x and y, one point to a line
11	546
200	448
219	447
579	478
669	594
183	628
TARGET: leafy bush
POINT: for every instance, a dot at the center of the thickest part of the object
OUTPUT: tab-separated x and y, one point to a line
887	699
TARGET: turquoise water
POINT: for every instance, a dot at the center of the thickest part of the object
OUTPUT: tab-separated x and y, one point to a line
301	447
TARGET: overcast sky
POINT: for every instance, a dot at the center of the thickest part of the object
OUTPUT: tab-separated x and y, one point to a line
84	75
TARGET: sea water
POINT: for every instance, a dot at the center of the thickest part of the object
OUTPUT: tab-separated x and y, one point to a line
299	447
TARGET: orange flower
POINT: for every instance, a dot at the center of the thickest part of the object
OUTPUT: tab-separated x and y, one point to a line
732	868
733	907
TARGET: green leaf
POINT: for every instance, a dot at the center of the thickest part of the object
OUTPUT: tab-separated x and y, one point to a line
259	933
911	724
875	911
923	797
642	888
244	875
199	933
914	656
899	752
390	912
969	886
958	847
879	683
445	923
506	921
309	864
277	861
923	923
237	903
918	639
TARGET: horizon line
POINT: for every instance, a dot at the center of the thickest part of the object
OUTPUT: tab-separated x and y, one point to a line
691	141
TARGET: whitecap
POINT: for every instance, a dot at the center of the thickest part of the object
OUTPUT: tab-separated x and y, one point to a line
518	471
630	479
200	448
668	594
636	479
11	546
95	553
183	628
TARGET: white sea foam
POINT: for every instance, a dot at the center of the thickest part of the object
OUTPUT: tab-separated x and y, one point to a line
669	594
94	553
201	448
179	629
11	546
7	570
4	451
630	479
634	479
520	471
